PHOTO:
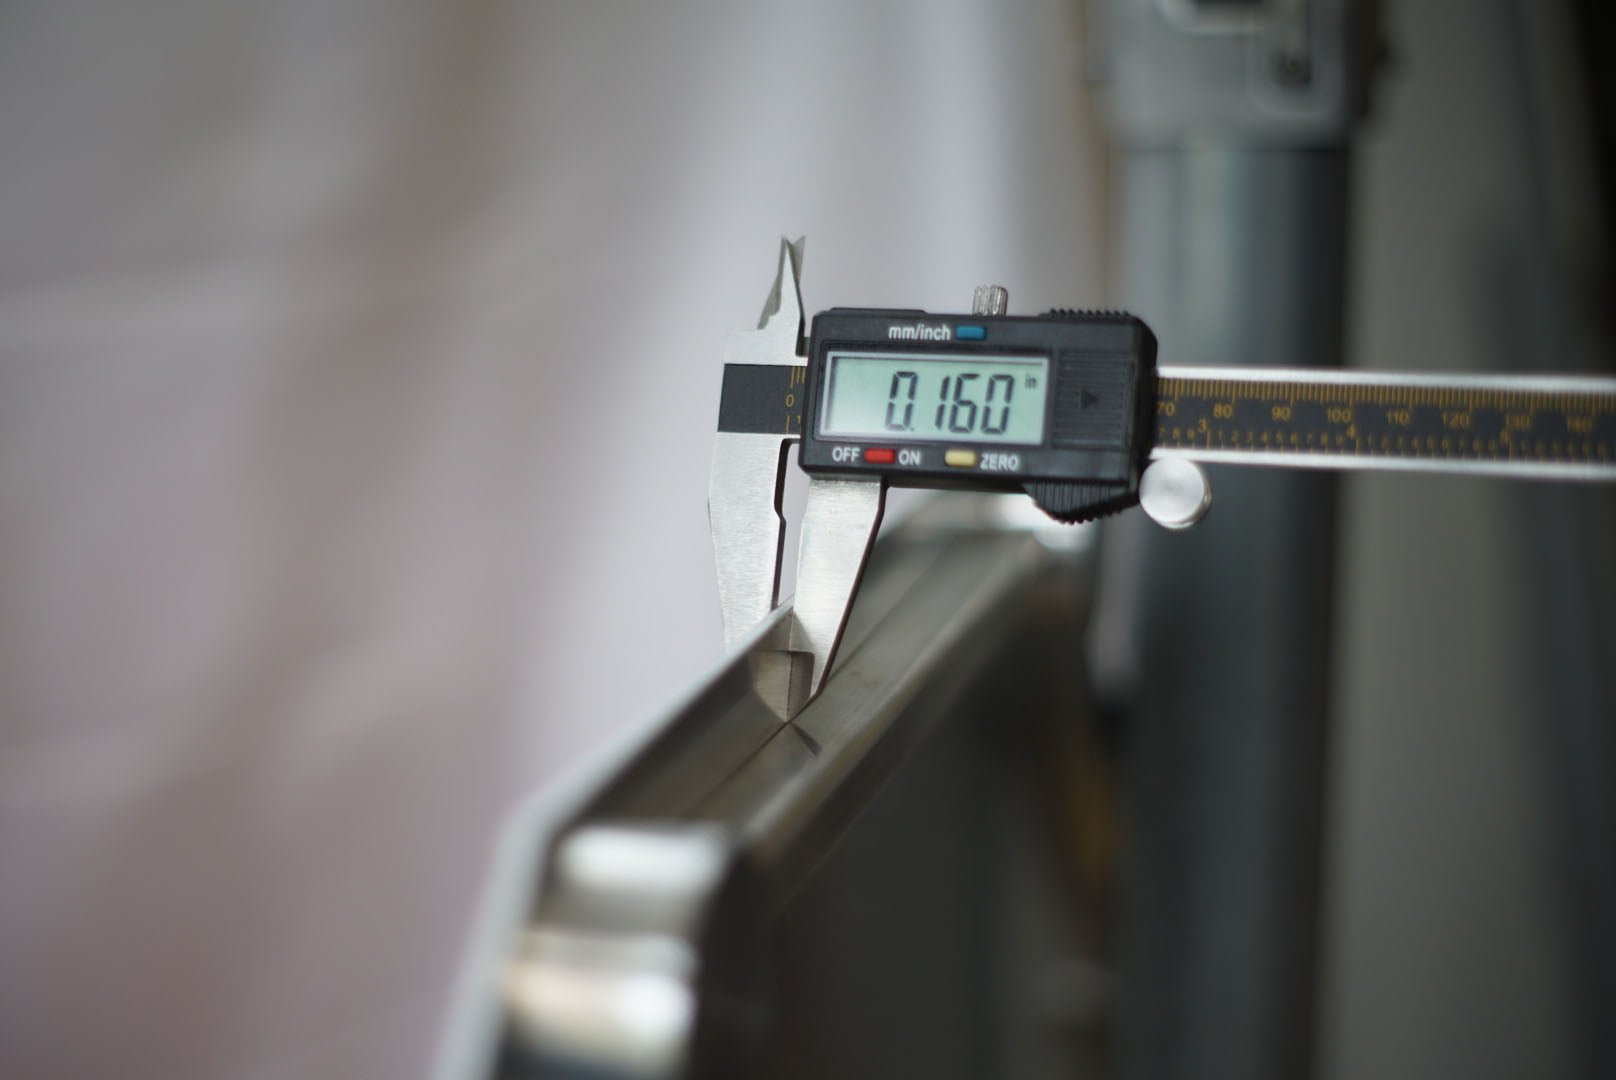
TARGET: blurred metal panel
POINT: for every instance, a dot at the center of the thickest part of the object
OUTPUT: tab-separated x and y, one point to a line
877	888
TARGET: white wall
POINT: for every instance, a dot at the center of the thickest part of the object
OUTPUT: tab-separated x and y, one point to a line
358	370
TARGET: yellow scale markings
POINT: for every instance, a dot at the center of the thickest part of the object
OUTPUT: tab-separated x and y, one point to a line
1520	410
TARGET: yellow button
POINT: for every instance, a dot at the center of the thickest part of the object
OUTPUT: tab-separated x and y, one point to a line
960	459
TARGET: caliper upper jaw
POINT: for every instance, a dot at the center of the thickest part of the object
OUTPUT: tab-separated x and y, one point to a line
779	334
743	512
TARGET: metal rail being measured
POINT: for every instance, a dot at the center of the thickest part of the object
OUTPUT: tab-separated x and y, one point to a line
643	942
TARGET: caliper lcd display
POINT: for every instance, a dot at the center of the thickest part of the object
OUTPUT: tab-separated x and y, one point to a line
935	396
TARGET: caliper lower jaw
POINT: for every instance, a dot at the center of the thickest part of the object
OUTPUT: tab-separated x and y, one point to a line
743	508
839	524
789	665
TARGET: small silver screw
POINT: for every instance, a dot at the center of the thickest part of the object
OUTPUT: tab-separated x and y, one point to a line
1175	493
990	300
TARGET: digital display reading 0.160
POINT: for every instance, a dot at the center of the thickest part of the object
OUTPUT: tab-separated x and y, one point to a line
996	399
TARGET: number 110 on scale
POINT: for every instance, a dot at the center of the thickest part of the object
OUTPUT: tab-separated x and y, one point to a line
996	399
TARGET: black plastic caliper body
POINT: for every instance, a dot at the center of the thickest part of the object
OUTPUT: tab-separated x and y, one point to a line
1057	405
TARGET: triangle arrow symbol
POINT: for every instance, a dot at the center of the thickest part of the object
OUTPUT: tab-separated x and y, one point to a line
1085	399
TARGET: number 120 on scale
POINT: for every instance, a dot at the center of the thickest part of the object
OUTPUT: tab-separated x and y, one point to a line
997	399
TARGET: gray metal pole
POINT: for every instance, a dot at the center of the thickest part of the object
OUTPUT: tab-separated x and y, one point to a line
1231	189
1233	257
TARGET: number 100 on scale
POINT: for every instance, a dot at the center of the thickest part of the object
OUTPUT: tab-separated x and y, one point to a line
998	399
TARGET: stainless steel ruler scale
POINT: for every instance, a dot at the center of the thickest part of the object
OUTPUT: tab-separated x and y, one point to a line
1544	427
1070	408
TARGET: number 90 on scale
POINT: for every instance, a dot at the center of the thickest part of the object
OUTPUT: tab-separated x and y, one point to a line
932	397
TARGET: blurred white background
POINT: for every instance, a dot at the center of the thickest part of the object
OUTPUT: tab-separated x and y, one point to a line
358	371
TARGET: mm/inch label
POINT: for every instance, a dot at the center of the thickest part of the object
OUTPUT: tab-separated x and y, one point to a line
1547	426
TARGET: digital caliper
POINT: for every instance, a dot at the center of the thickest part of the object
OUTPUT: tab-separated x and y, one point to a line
1071	408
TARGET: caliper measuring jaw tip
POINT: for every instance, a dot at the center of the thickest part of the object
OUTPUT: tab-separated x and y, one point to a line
760	417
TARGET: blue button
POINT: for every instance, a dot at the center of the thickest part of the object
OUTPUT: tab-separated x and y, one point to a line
970	333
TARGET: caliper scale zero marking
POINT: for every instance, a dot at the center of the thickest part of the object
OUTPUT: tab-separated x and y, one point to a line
763	399
1108	414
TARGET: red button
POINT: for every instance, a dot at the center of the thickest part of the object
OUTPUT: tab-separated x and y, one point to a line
876	455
